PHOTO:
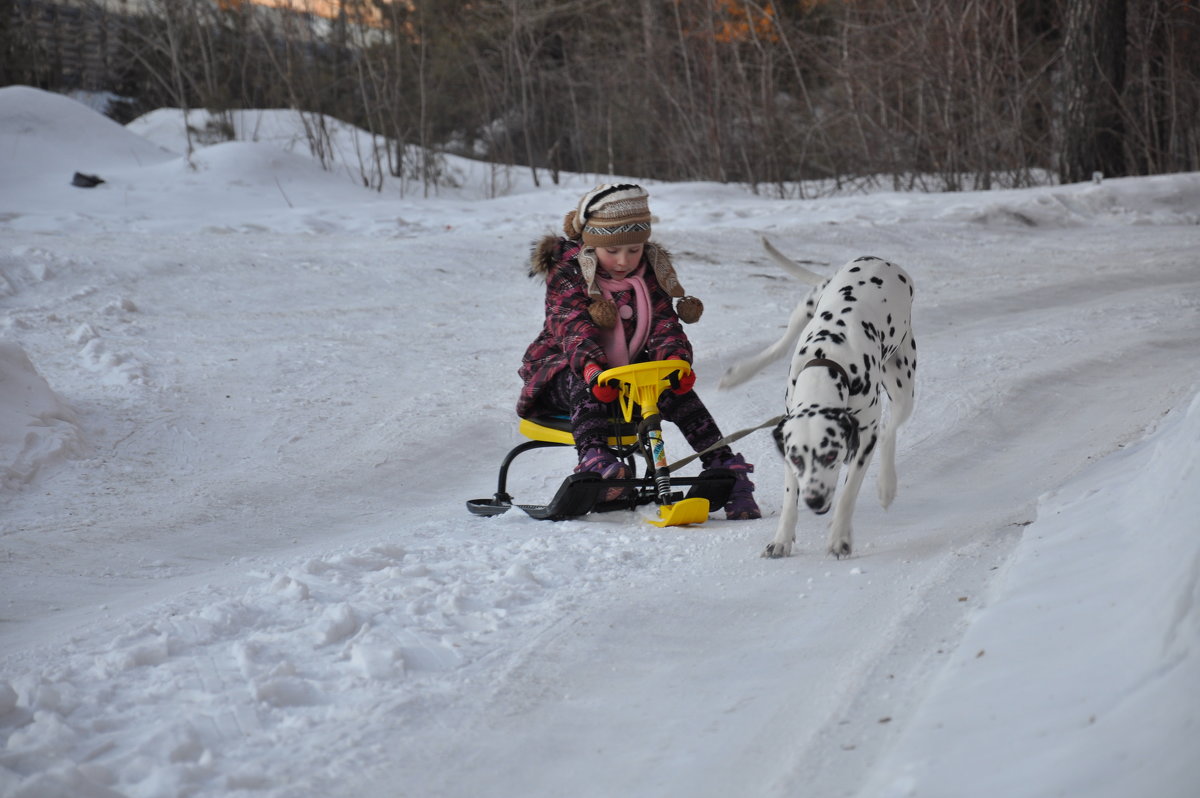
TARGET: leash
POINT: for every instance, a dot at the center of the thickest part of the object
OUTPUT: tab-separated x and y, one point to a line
833	366
727	439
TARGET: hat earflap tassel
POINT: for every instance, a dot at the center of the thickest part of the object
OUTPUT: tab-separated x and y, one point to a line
689	309
603	313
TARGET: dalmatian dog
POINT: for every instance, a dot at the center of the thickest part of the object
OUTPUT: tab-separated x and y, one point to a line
853	342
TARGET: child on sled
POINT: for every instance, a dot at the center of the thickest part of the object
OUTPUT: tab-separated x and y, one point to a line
609	303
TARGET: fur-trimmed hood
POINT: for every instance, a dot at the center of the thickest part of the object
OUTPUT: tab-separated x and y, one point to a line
548	252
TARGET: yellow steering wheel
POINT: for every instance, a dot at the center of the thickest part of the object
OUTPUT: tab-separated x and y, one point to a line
640	385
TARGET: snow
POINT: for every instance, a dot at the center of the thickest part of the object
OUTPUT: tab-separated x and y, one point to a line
243	401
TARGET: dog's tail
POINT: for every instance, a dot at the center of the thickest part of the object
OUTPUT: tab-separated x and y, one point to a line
790	266
743	371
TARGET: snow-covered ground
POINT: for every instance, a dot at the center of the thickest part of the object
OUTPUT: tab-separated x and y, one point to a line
242	405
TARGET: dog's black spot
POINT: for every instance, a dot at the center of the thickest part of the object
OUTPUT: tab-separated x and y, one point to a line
831	336
870	447
877	280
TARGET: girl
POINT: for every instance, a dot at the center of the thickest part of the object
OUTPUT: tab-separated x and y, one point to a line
609	303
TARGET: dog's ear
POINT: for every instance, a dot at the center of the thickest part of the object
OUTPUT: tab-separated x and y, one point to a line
777	434
850	432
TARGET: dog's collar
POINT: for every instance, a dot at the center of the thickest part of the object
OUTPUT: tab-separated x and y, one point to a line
833	365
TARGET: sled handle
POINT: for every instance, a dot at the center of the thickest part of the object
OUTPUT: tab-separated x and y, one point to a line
641	383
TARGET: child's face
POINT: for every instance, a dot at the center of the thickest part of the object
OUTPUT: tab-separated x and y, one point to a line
619	261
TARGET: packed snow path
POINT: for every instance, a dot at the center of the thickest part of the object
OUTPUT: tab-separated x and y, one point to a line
235	560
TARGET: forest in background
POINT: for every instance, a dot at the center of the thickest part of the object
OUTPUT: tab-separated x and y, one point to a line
921	94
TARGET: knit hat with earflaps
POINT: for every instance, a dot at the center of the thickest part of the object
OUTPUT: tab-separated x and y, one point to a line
614	215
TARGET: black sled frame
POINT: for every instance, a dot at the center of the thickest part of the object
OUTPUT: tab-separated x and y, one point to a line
633	438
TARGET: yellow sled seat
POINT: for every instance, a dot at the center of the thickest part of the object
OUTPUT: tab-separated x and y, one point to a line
557	429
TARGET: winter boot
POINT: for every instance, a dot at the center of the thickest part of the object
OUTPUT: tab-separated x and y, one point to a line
606	464
741	505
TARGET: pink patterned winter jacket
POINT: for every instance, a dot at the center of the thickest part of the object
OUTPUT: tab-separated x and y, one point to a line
569	338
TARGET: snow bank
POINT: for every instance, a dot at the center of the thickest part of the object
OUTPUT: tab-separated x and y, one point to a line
1105	588
45	138
1163	199
252	176
36	427
352	154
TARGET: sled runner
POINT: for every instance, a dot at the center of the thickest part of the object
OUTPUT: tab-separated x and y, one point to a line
637	430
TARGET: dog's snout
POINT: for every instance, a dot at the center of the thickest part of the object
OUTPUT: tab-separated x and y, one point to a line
817	504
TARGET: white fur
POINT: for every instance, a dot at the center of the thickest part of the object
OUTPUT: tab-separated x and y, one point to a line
861	319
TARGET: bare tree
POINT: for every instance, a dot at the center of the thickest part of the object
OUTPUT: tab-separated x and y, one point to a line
1093	127
1161	102
925	94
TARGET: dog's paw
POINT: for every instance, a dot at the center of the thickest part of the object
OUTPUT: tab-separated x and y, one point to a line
887	493
776	550
839	547
887	486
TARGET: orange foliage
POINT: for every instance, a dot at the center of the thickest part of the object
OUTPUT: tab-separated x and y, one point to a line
741	21
361	13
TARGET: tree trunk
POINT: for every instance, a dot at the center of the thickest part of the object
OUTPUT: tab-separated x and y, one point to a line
1093	133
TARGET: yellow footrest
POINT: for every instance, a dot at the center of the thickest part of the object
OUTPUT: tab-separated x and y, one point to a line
682	513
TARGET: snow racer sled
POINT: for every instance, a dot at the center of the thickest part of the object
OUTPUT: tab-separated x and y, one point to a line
637	430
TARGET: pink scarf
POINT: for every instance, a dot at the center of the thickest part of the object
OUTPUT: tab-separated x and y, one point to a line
619	351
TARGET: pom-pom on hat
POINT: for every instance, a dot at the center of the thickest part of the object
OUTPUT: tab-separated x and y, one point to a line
610	215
